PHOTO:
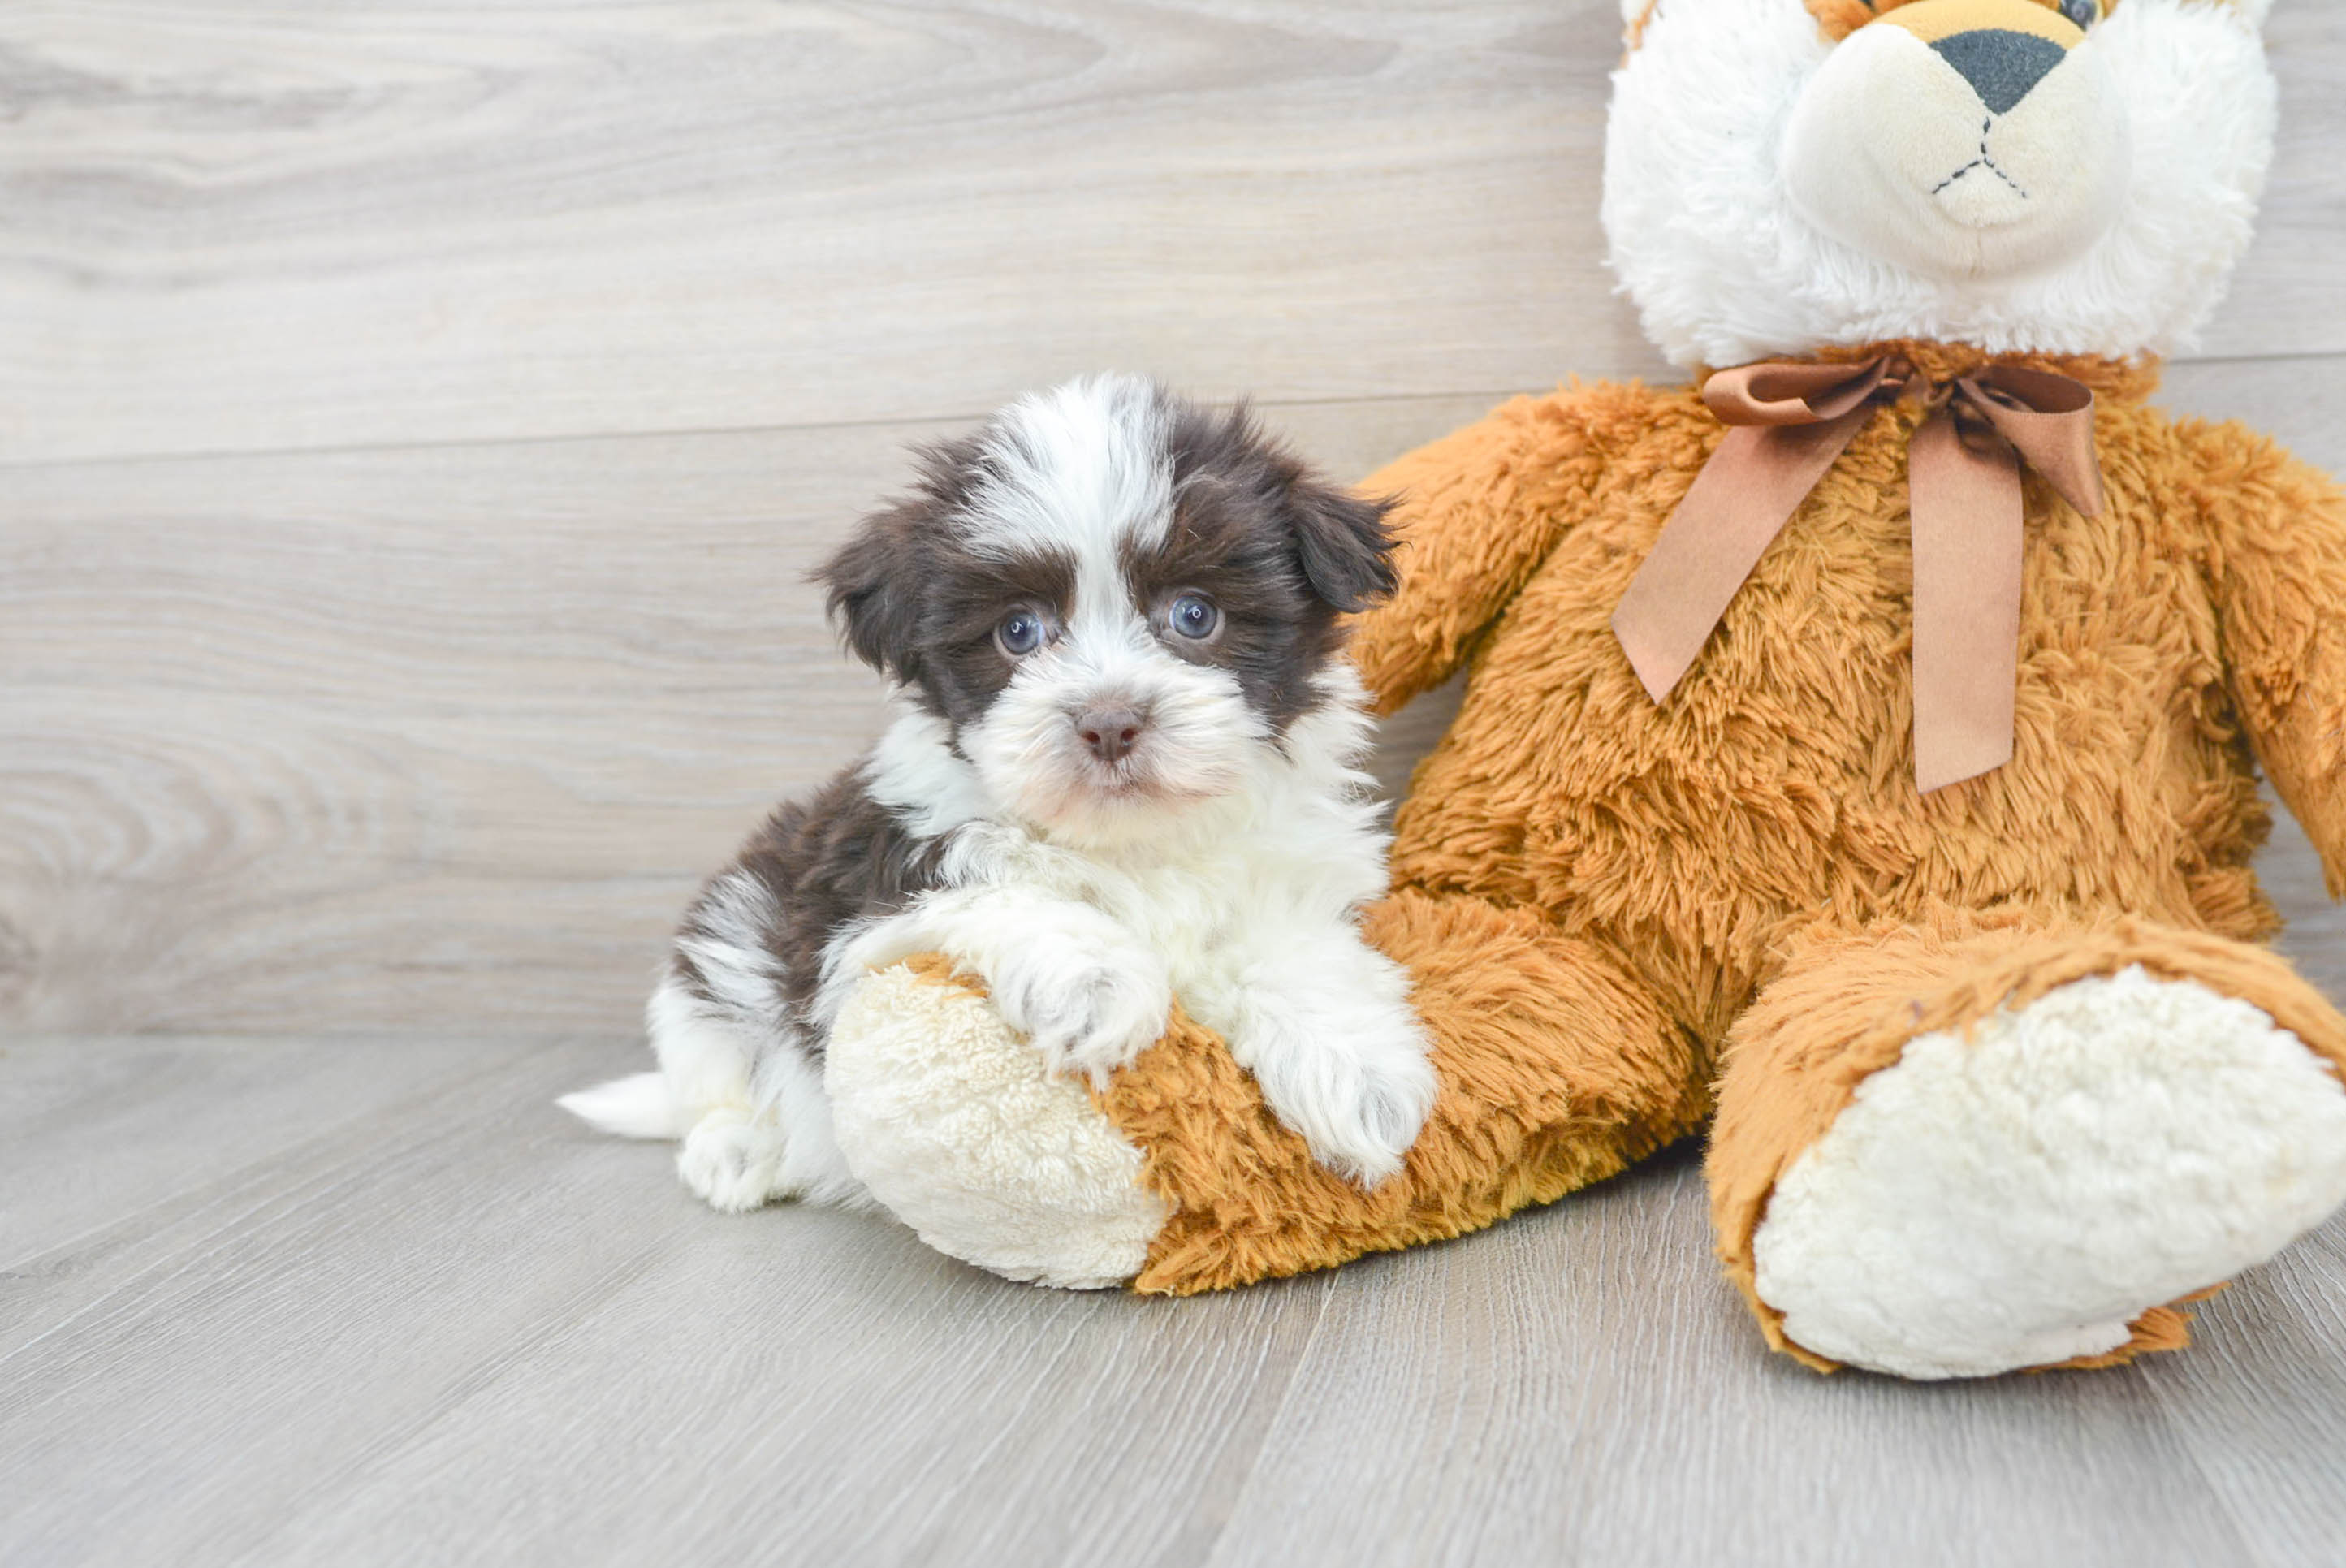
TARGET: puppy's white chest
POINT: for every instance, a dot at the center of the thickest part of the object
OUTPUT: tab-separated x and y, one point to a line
1192	910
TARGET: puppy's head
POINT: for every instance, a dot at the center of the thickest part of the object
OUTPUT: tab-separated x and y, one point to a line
1116	601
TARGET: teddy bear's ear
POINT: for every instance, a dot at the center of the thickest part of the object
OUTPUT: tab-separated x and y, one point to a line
1635	14
875	581
1344	545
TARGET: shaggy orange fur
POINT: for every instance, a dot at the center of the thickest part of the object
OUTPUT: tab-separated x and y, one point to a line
1608	903
1847	1001
1837	19
1552	1060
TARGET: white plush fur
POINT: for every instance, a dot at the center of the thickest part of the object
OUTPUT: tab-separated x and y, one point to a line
961	1129
2019	1198
1890	150
1710	238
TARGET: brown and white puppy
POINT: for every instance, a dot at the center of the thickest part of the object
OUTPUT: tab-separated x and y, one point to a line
1125	768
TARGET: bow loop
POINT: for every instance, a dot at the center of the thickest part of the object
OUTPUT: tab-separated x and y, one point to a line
1788	393
1788	420
2050	420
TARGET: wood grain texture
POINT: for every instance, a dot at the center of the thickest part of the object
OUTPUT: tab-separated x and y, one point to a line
264	224
444	737
127	1136
360	740
458	1327
1586	1391
383	657
239	226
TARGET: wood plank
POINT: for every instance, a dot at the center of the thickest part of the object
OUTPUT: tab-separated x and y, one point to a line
399	223
356	741
444	738
961	1419
265	224
176	1413
1589	1391
2262	1402
437	737
99	1130
466	1329
479	1333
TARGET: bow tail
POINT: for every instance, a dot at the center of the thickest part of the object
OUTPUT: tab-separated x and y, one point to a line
1965	504
1755	480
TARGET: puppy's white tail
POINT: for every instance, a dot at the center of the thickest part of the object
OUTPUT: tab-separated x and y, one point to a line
634	1107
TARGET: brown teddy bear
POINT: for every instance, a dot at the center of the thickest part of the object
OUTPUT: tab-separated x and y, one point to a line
1858	749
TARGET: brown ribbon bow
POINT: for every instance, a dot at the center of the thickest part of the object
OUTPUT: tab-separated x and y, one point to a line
1788	422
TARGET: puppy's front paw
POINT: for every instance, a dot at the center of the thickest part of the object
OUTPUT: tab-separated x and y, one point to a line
1086	1017
730	1162
1357	1097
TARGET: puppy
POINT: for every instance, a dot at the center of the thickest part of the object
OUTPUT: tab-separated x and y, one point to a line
1124	766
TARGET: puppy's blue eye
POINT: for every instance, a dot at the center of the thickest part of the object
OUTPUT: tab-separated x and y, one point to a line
1194	617
2084	13
1021	634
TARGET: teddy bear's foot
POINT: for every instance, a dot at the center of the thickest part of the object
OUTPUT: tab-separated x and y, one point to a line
2022	1196
957	1125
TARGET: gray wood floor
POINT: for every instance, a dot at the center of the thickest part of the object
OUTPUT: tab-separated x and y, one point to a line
282	1300
416	422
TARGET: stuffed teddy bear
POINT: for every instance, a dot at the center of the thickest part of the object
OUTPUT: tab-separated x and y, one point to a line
1858	749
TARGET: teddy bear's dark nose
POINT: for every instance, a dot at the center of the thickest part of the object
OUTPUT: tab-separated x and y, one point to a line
1110	732
2000	65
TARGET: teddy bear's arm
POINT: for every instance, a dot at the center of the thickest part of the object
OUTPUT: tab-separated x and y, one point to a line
2277	550
1477	512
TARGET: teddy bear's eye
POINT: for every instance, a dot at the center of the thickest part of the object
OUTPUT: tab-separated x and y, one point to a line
2084	13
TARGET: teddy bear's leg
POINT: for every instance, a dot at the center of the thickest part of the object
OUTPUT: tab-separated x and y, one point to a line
1972	1146
1556	1066
954	1121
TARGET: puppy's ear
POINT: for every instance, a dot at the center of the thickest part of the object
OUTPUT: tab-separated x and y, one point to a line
1346	550
875	582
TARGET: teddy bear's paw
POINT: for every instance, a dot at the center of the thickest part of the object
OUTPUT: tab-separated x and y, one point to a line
732	1162
959	1127
2018	1198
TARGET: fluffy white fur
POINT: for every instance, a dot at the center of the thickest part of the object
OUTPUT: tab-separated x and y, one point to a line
2020	1197
1891	150
1707	239
959	1127
1242	904
1220	860
752	1115
1082	467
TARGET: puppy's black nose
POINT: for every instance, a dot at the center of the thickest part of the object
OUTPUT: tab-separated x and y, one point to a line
2000	65
1110	732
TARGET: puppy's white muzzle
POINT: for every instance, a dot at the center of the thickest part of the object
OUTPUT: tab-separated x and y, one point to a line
1104	733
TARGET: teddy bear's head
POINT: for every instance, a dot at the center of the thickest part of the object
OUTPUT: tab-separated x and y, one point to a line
2052	176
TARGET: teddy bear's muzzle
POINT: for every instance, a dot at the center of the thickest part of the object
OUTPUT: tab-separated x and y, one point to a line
1961	138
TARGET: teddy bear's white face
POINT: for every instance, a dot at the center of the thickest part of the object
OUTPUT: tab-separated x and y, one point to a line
2062	176
1962	139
